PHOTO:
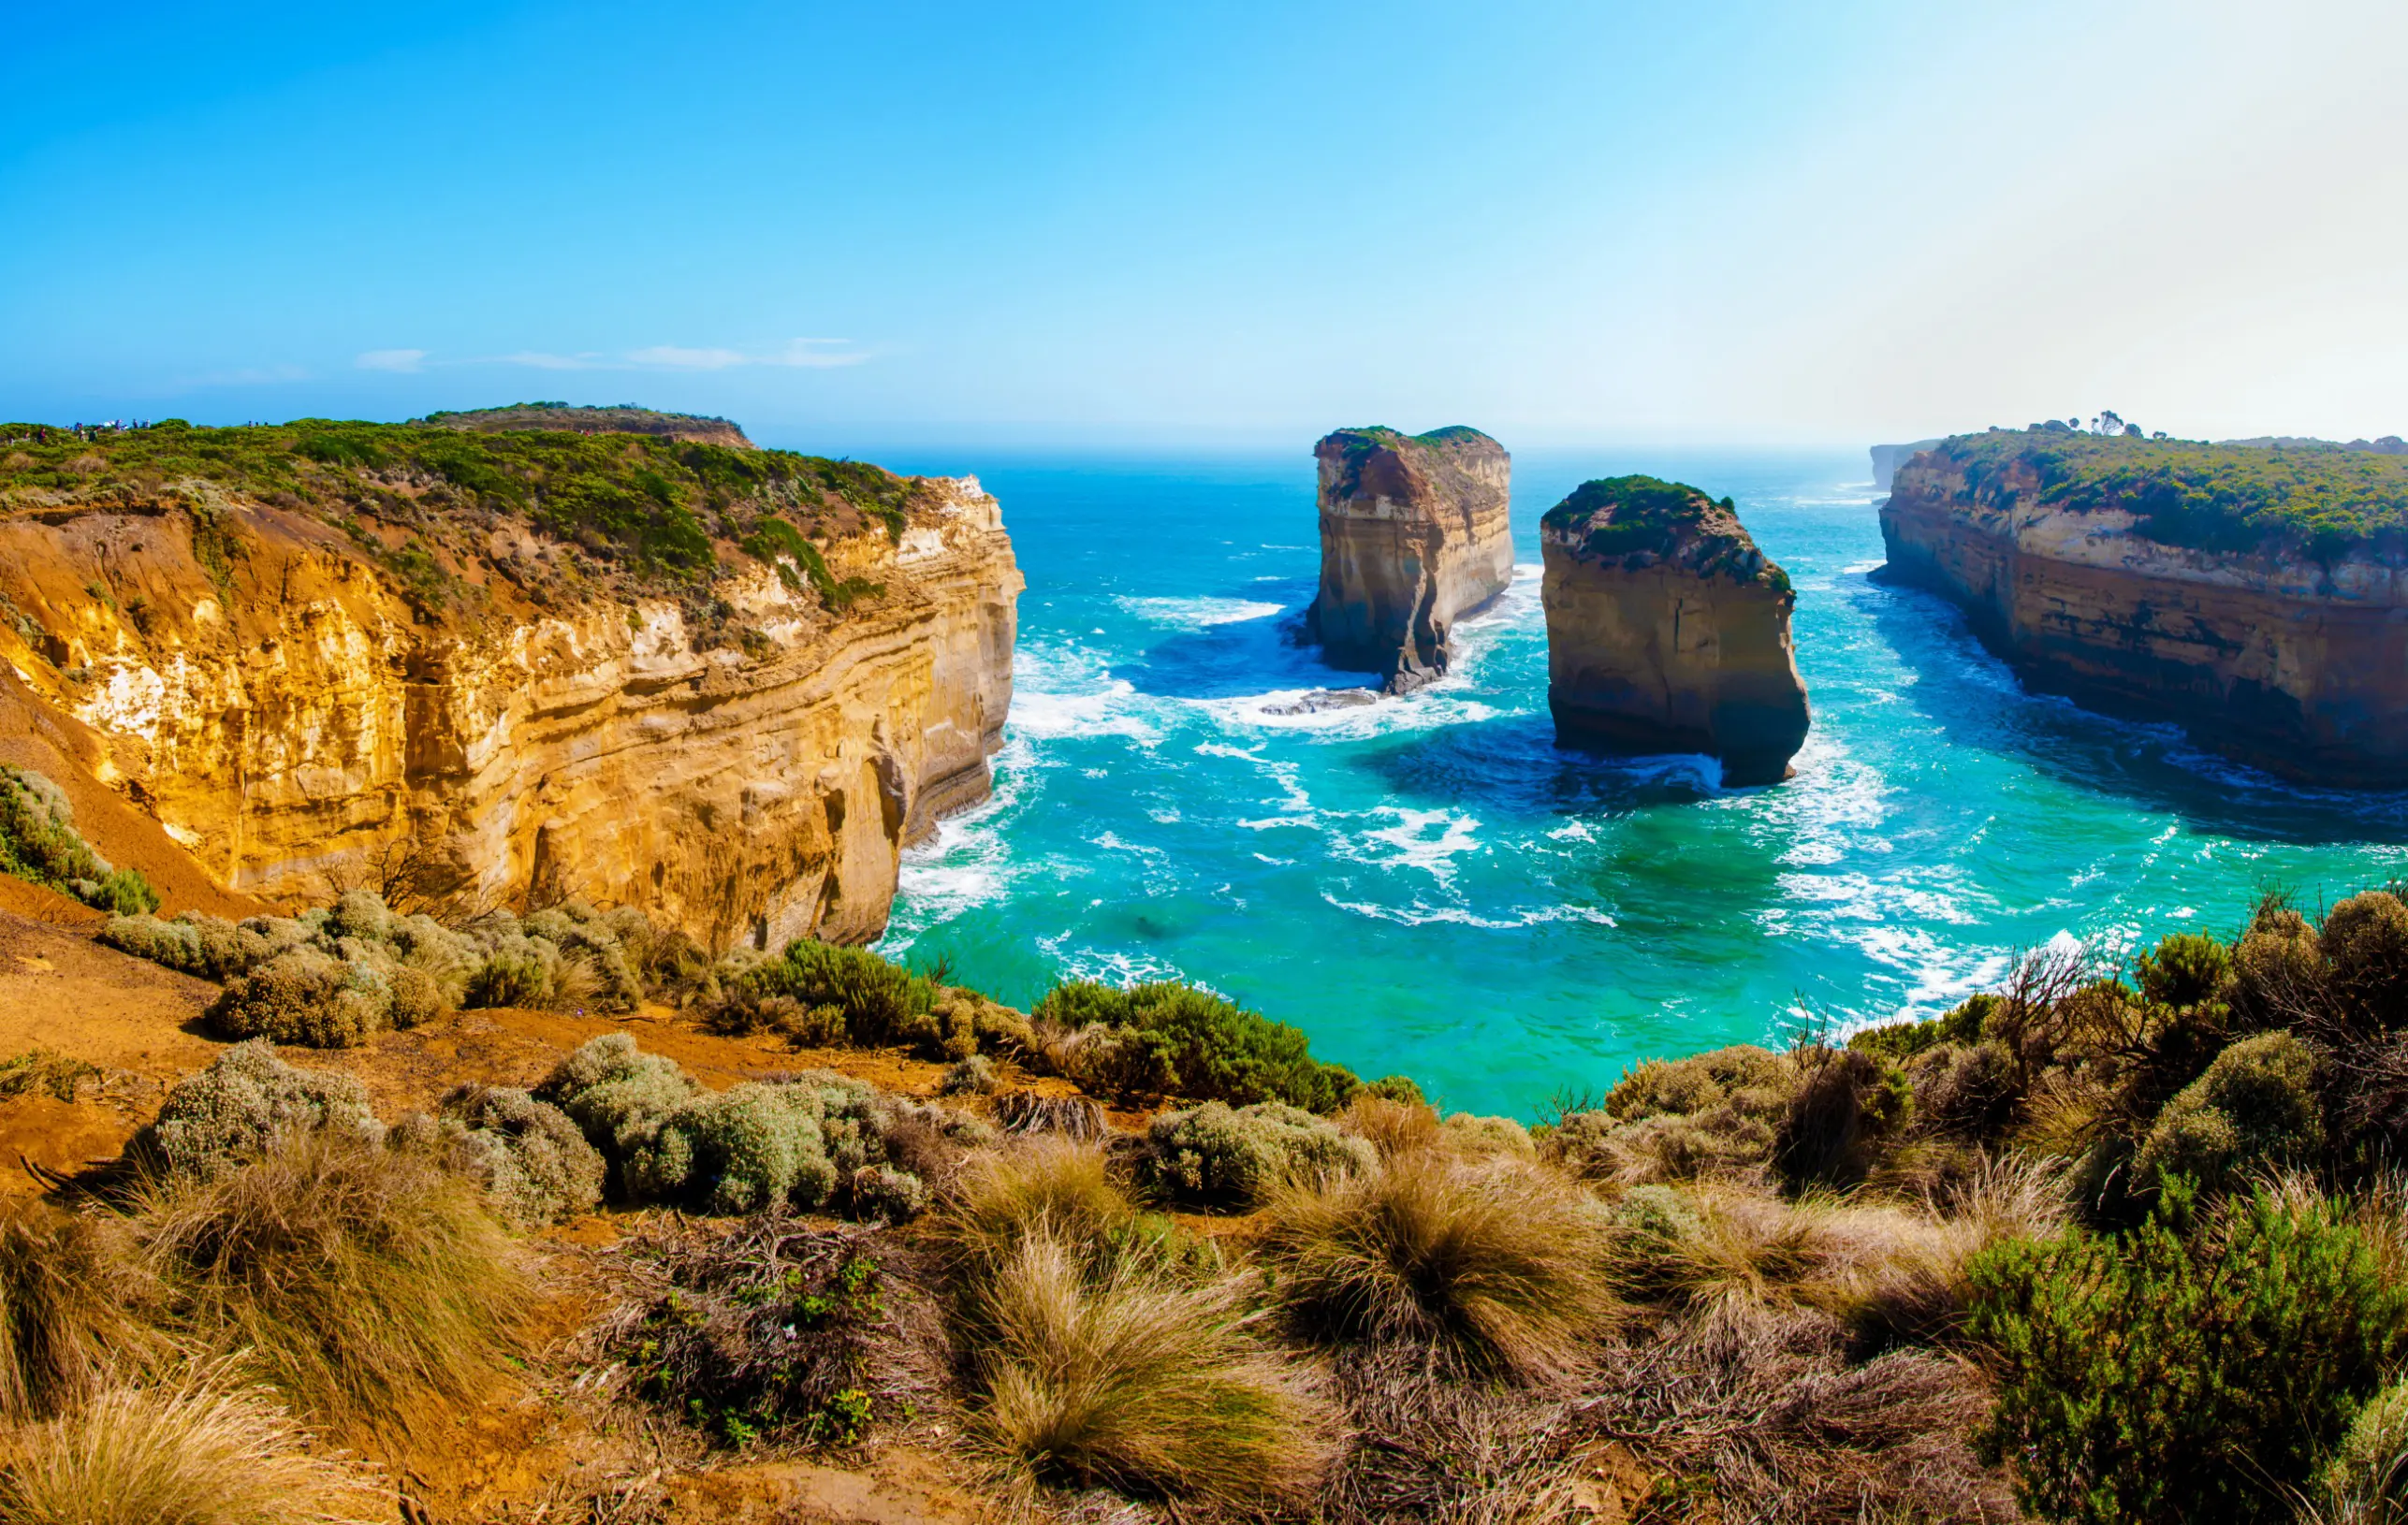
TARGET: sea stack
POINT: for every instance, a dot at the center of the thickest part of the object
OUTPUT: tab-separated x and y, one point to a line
1415	536
1667	631
2255	591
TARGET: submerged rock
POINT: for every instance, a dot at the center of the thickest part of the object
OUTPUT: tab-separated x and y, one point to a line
1321	699
1415	536
1667	631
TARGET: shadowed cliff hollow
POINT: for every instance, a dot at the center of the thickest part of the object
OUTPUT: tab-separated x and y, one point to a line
725	685
2257	594
1667	631
1415	536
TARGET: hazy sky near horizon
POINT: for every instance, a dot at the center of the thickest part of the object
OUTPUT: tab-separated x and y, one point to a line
1243	223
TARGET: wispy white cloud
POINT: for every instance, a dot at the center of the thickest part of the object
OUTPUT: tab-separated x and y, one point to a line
402	360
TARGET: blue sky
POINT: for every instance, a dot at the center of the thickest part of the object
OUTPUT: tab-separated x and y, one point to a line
1137	224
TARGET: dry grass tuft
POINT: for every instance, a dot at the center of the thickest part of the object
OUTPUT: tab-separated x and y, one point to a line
1894	1273
1073	1117
1495	1266
1000	1198
371	1287
74	1305
1111	1372
181	1456
1394	1127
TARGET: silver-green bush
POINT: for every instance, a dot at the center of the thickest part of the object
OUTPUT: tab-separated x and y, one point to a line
1220	1153
233	1111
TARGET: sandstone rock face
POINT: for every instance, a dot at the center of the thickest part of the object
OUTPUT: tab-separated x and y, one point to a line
285	715
1415	535
1667	631
2294	665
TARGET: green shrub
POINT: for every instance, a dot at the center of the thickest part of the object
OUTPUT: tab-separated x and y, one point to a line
2255	1105
618	1096
304	997
1846	1103
2186	968
1969	1090
1900	1041
745	1149
2365	940
535	1165
38	843
974	1076
1167	1038
2366	1481
1217	1154
238	1106
2172	1377
1469	1135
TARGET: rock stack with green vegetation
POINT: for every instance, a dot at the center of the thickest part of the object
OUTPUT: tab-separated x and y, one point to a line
1667	631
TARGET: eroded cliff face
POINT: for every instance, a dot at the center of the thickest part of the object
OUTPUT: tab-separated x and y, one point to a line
279	707
1667	631
1415	535
2292	664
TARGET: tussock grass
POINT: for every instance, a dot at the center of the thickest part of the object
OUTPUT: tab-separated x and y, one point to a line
74	1302
1498	1265
1110	1370
1042	1182
371	1287
1892	1271
177	1456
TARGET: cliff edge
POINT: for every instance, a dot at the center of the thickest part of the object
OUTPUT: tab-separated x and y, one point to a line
2257	595
724	686
1415	534
1667	631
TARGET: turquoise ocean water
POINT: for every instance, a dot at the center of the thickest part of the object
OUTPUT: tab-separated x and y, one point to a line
1429	885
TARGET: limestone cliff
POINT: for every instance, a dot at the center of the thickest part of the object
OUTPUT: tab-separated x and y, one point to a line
726	686
2257	595
1887	459
1415	535
1667	631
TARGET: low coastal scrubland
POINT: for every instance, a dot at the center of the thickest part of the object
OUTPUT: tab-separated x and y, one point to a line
2107	1243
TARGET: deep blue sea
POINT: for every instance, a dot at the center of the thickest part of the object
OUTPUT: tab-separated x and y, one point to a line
1430	886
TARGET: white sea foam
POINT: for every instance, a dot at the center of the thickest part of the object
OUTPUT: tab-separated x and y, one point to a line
1197	613
1422	913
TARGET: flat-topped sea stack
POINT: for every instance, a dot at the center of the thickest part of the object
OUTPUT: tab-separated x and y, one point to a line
1667	631
1415	535
2256	593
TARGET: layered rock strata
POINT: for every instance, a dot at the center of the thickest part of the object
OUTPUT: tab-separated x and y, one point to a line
261	684
2267	646
1667	631
1415	534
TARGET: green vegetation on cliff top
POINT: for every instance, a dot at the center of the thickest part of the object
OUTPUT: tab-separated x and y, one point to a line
2326	500
1627	516
1372	436
621	418
649	504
